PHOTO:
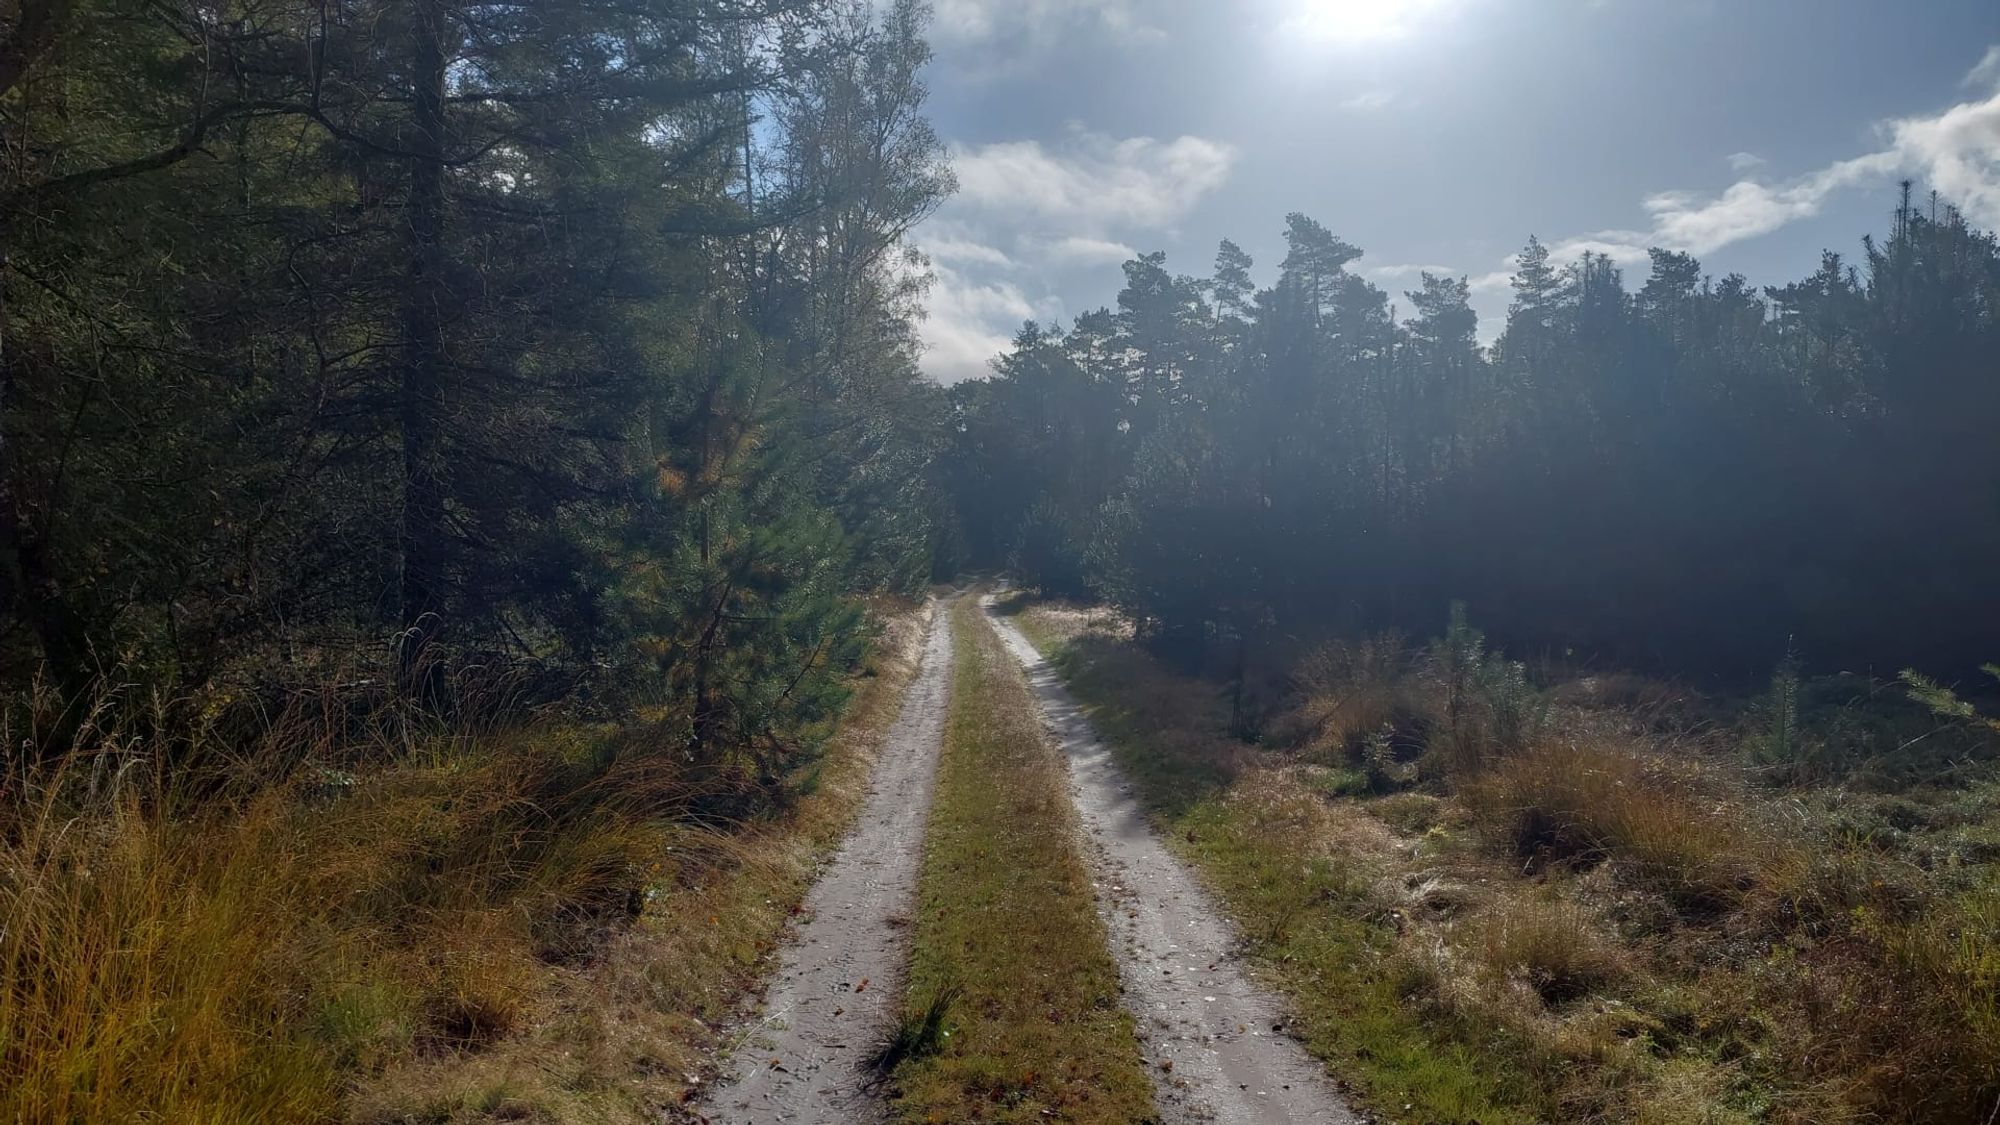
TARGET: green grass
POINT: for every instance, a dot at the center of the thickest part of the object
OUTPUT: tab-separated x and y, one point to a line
1008	926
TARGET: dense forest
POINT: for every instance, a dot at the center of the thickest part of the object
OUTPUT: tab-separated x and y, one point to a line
565	342
1696	476
574	346
443	447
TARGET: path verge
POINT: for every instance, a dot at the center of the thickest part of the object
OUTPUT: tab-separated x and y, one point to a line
1217	1042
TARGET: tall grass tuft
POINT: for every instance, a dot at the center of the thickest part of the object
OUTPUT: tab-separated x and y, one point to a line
150	965
1589	800
1552	947
919	1034
1357	704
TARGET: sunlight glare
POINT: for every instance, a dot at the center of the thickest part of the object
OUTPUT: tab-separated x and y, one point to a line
1355	21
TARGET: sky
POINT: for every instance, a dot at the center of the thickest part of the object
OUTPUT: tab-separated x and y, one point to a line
1436	135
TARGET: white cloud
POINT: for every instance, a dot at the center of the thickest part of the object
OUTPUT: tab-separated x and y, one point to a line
1094	180
1747	209
1367	101
1689	221
1956	151
1394	273
1987	73
964	251
1744	161
1079	250
1026	210
969	320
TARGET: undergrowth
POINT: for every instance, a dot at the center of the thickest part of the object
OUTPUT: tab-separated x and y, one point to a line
1493	896
535	919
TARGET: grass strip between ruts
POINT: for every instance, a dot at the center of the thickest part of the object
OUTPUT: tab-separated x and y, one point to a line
1007	927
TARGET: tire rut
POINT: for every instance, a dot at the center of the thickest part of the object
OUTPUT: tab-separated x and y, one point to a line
839	984
1216	1041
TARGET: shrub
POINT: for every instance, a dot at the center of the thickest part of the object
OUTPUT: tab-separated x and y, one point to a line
1490	707
1587	801
1515	711
1378	761
1779	743
1355	696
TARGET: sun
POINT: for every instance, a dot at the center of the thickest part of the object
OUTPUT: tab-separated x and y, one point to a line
1356	21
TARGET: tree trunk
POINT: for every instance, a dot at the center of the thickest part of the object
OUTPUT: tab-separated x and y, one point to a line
422	533
31	592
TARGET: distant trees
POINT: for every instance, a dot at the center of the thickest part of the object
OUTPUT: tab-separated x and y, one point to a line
567	335
428	335
1688	474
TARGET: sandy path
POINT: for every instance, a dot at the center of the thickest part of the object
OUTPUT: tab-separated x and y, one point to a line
838	986
1195	1006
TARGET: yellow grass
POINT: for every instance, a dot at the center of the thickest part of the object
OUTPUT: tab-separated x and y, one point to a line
1585	798
512	925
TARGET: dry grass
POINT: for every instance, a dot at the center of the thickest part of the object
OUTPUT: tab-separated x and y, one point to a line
244	960
1352	694
1551	947
1007	919
1585	799
516	925
638	1029
137	962
1585	916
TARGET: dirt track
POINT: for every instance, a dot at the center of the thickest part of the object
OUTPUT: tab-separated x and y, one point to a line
838	986
1196	1009
1215	1041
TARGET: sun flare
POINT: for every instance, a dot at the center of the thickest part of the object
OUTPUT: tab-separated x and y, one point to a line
1356	21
